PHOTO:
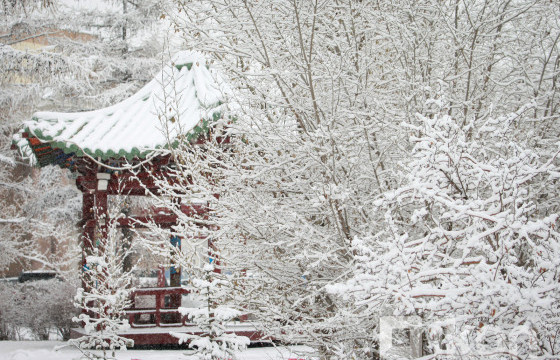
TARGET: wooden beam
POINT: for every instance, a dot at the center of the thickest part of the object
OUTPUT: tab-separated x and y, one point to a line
164	221
131	184
161	217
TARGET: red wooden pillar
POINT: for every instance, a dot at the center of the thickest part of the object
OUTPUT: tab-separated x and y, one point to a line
101	216
101	219
88	235
88	201
159	305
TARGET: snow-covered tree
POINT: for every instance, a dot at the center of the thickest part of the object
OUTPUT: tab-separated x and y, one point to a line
68	54
38	309
368	133
105	297
215	300
468	242
61	56
210	293
469	228
38	222
306	132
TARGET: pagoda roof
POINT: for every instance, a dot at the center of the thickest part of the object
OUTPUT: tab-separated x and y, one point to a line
179	103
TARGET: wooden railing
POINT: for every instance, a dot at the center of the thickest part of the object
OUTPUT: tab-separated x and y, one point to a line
167	300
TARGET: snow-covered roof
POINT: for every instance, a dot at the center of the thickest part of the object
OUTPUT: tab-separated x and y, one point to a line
181	100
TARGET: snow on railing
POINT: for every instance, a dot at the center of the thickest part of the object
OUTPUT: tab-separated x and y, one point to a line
165	311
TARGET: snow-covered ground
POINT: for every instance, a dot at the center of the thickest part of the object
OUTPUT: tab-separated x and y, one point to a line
45	350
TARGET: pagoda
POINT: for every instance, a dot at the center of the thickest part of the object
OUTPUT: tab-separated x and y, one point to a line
120	150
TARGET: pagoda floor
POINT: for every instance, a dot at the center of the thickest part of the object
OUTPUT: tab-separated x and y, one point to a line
161	335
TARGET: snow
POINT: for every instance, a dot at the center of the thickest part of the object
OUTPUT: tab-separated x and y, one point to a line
7	160
175	102
92	5
45	350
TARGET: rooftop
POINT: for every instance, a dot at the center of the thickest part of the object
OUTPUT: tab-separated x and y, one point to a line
178	104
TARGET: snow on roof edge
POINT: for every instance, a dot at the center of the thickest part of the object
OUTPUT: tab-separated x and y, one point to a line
188	73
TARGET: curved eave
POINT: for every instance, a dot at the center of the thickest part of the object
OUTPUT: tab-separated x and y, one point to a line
191	136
